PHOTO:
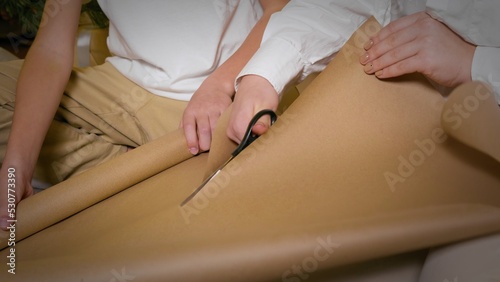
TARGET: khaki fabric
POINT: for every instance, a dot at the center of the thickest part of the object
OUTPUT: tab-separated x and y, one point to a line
475	260
356	169
101	113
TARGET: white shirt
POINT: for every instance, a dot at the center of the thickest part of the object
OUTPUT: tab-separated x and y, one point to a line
305	36
478	22
170	47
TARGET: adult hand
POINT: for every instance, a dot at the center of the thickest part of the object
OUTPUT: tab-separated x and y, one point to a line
254	94
203	112
14	185
419	43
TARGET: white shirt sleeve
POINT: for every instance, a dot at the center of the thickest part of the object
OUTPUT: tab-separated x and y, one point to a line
486	67
305	35
476	21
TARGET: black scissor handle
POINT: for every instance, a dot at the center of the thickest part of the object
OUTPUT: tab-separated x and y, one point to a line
249	137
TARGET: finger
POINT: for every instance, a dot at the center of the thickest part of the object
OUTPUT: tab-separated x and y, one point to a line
4	222
393	27
3	214
189	126
213	118
409	65
235	131
238	124
28	193
204	132
393	41
392	57
262	125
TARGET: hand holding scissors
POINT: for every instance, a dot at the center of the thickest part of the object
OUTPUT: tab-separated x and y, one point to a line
248	138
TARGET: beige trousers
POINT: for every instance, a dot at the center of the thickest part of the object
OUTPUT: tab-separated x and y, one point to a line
475	260
100	115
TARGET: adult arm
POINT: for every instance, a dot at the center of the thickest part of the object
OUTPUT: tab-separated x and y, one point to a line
431	42
486	67
477	22
216	92
419	43
40	86
299	40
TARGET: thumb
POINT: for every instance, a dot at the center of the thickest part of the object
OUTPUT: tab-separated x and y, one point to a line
262	125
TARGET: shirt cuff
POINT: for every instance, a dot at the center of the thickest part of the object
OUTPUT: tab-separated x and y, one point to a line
277	61
486	67
437	6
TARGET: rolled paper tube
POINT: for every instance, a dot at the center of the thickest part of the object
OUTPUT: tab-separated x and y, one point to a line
472	115
96	184
222	146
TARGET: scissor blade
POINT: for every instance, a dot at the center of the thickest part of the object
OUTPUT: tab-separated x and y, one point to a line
205	182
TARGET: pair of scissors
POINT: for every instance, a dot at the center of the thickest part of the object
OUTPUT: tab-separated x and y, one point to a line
248	138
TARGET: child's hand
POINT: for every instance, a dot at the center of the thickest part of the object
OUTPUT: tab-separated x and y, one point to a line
254	94
419	43
16	186
203	112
